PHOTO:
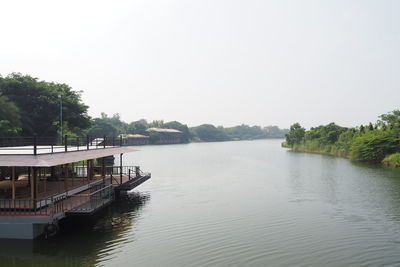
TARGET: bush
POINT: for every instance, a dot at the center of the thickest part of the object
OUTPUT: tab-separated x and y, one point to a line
373	146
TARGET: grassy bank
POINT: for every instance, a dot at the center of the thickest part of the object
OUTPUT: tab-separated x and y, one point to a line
374	143
392	160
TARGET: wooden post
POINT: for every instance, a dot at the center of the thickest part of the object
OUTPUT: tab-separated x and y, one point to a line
33	187
40	177
37	182
65	176
66	143
45	182
72	175
103	169
88	170
83	176
120	168
13	186
34	145
29	176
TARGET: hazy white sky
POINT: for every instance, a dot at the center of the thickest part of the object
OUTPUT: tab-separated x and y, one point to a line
224	62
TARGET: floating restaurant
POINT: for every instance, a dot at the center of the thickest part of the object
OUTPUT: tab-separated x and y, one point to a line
42	183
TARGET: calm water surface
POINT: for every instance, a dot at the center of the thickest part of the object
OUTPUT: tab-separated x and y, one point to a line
235	204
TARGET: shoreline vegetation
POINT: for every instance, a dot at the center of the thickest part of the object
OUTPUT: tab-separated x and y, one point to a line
373	143
29	106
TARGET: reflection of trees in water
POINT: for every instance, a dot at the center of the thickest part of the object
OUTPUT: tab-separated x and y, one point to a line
83	241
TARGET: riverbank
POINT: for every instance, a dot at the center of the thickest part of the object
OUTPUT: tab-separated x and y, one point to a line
375	143
392	160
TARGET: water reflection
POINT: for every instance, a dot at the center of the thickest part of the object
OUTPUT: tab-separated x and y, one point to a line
83	241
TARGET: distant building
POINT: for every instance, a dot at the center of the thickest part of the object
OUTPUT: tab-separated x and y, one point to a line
164	136
135	139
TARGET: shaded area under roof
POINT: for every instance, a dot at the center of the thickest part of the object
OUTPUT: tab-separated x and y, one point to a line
48	160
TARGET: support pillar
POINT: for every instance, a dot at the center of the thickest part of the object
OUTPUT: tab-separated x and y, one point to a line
88	170
103	167
45	182
33	187
65	176
37	180
91	169
13	186
120	168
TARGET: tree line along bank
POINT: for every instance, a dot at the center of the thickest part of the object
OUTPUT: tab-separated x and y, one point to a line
374	143
29	106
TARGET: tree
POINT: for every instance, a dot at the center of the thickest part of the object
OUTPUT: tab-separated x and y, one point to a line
391	118
157	124
102	128
275	132
245	132
295	134
39	105
115	121
186	136
373	146
10	121
370	127
137	127
209	133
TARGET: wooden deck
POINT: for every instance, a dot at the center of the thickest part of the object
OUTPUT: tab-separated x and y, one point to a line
70	196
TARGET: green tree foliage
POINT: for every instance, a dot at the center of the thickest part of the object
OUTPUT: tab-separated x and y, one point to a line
240	132
275	132
102	128
295	134
373	146
115	121
209	133
156	124
324	135
391	118
186	135
137	127
39	105
370	127
10	121
370	143
108	126
245	132
344	141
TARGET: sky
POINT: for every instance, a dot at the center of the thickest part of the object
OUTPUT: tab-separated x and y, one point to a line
224	62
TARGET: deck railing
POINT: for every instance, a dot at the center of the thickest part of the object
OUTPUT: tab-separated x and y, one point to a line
130	171
97	195
87	203
48	145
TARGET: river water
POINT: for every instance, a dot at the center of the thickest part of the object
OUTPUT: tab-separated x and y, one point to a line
248	203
